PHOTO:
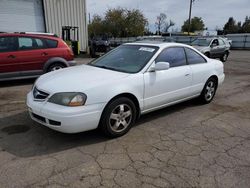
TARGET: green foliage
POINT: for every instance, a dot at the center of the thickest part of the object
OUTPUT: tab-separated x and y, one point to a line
119	22
246	25
197	24
232	27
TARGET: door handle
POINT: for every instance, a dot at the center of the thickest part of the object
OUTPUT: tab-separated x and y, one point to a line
187	74
44	53
11	56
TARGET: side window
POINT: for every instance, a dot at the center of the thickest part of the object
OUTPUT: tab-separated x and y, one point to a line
51	43
25	43
215	42
174	56
193	57
221	42
40	43
8	44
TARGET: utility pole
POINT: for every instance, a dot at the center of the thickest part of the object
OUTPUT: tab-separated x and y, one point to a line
190	12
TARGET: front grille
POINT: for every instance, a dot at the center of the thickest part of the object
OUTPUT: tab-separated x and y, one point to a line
39	95
40	118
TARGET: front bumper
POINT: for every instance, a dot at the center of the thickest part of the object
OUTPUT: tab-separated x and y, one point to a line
65	119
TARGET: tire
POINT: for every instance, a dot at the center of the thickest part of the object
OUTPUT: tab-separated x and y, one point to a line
208	91
224	57
55	66
118	117
207	54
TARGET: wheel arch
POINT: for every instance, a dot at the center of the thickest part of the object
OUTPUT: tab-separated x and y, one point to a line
129	96
54	60
216	78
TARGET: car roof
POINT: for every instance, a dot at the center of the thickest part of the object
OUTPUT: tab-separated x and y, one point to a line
40	35
159	44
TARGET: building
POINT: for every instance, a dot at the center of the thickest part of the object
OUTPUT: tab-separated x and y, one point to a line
44	16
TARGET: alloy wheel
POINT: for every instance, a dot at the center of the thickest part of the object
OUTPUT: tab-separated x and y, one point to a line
210	90
120	118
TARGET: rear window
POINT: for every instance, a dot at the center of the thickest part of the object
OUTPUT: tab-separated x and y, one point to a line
51	43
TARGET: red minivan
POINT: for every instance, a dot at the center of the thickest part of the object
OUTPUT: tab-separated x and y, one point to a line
25	55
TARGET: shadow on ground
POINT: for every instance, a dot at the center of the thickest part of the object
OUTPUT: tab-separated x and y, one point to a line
22	137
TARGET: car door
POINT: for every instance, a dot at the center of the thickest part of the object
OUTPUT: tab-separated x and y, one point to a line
166	86
215	48
222	45
30	55
8	62
201	70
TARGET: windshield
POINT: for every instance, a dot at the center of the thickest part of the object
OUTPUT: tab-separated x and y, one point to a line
126	58
201	42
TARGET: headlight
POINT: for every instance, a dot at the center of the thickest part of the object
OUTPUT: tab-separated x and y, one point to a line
68	99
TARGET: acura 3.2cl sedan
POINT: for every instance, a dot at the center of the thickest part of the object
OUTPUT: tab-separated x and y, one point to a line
111	92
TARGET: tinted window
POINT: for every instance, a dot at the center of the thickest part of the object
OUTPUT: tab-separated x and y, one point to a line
51	43
174	56
193	57
8	44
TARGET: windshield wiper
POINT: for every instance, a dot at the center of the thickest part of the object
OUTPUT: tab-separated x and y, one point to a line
105	67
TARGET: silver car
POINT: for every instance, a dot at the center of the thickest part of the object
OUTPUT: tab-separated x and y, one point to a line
216	47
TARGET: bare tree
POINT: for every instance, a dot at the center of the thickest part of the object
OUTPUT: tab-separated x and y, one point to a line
162	25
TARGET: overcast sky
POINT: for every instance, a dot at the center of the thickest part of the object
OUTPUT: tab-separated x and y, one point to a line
214	13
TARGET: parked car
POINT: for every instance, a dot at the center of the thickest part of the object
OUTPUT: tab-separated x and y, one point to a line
30	55
99	45
114	90
215	47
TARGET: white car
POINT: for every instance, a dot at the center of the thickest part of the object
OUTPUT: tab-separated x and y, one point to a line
114	90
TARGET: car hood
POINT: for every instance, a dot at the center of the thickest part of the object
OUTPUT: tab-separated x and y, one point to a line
77	79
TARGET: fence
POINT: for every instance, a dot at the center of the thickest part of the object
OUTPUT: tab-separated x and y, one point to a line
239	41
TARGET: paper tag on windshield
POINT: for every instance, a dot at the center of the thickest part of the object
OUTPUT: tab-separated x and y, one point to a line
147	49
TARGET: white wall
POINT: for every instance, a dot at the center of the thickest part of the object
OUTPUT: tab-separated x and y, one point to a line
21	15
60	13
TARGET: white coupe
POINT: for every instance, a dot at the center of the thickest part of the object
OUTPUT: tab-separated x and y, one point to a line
111	92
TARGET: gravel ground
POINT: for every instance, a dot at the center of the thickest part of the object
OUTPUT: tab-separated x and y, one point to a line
186	145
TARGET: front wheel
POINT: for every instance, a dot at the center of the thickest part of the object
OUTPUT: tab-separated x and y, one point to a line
118	117
55	66
208	91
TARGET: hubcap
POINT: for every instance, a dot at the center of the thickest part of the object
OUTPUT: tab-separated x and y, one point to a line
210	90
56	68
120	118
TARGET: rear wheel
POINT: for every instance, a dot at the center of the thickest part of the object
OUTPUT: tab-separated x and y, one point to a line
224	57
55	66
208	91
118	117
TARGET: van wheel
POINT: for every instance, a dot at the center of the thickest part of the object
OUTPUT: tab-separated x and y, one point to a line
208	91
118	117
55	66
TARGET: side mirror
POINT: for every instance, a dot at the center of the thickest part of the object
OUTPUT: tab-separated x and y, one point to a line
159	66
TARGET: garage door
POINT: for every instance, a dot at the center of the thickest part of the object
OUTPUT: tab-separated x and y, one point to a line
21	15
